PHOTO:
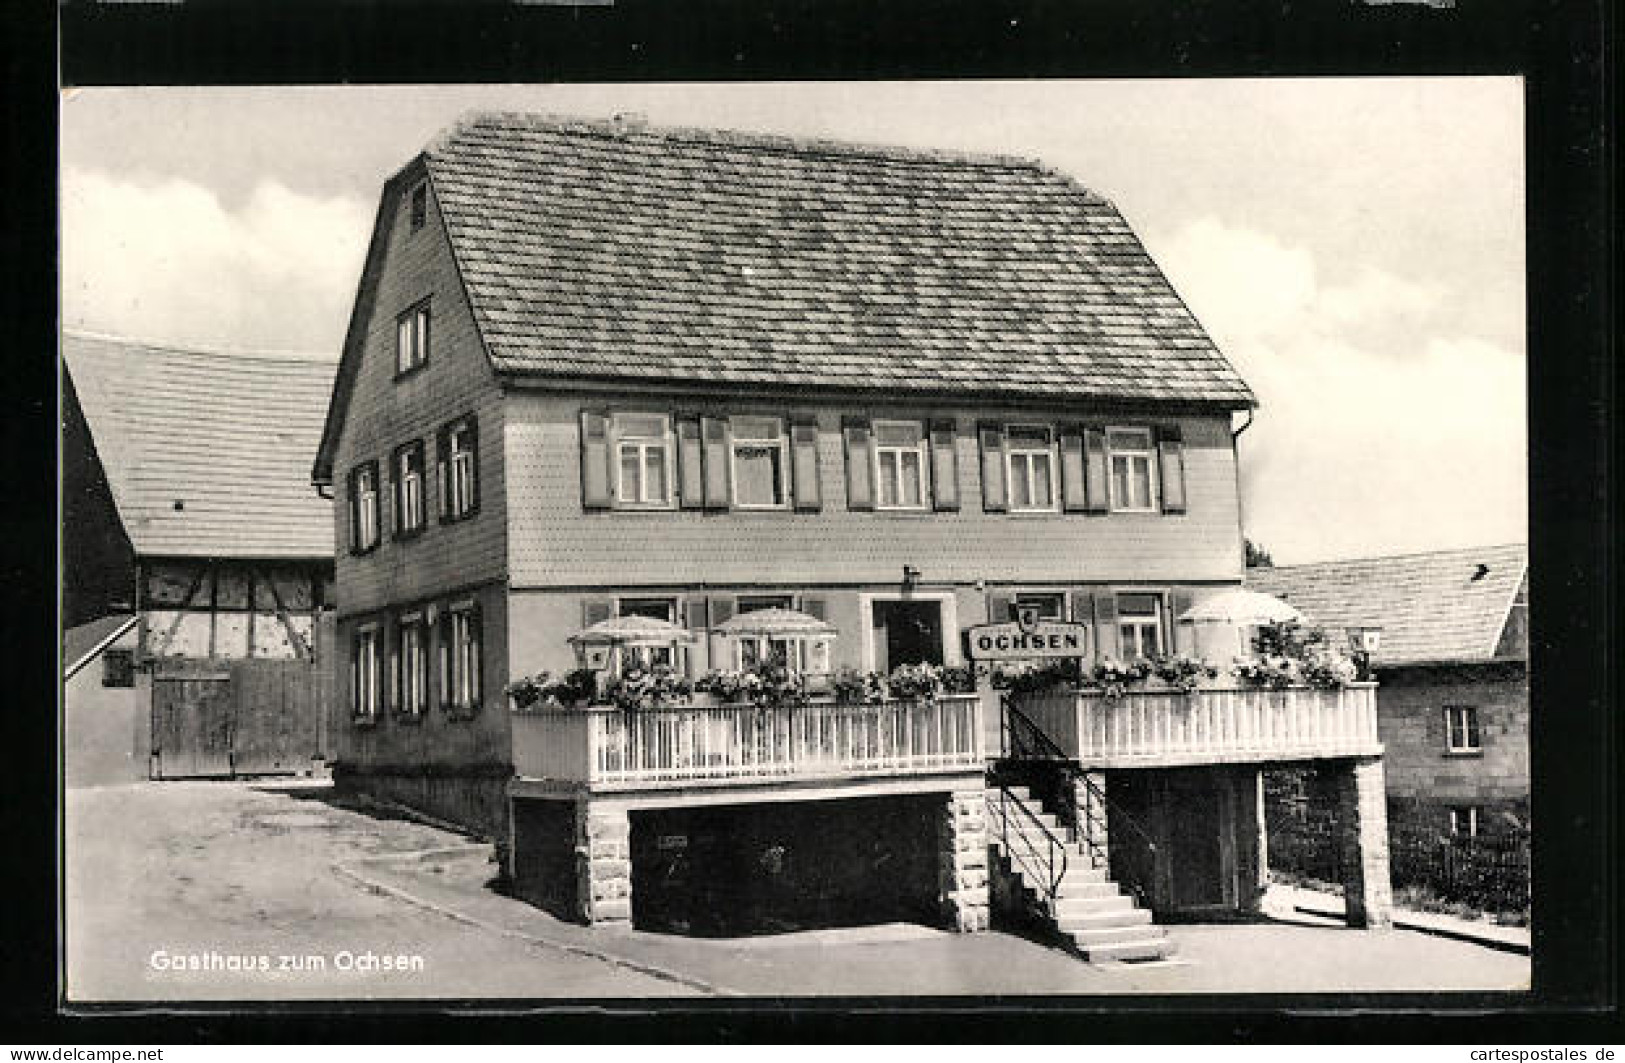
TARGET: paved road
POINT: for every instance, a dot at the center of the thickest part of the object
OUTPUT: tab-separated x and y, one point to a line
191	868
237	877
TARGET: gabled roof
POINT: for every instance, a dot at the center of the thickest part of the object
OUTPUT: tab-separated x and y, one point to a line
1447	606
83	644
229	436
606	251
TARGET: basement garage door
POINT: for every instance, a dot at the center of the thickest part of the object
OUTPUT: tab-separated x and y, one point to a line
774	868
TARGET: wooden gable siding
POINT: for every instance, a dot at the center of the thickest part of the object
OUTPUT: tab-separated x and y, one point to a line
554	541
385	412
98	569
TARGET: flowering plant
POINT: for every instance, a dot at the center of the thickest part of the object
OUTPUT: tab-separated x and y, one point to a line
959	680
852	687
1113	676
640	688
1182	672
577	687
527	690
915	682
1288	653
770	684
1061	672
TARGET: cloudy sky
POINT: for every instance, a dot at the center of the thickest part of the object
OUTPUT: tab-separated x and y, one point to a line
1354	246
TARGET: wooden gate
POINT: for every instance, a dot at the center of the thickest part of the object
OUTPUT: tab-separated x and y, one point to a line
219	719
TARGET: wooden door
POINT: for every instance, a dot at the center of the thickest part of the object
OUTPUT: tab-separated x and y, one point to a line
277	716
191	723
1197	827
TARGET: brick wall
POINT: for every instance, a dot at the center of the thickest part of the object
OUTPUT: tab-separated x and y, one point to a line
385	412
555	542
1423	778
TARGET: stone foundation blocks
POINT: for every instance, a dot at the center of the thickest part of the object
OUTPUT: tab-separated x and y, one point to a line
962	875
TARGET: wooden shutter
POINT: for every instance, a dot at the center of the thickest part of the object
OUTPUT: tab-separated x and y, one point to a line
994	491
1171	468
722	608
476	675
804	463
1074	482
595	610
860	487
1083	607
1181	637
442	474
816	607
690	464
944	466
1106	624
719	647
1001	607
714	441
695	614
595	459
355	511
1097	497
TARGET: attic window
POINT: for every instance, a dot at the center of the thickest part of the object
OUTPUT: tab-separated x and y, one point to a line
420	205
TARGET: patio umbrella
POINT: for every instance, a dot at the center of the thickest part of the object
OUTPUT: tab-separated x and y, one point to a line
1241	608
633	631
776	622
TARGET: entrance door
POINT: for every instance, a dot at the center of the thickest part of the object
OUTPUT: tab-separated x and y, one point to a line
907	633
1197	824
191	724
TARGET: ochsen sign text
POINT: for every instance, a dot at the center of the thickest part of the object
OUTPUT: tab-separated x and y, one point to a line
1012	641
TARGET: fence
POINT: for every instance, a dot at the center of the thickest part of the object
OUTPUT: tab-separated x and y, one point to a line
1488	872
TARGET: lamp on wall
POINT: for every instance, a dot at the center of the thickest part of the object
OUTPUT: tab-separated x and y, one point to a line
1363	642
911	577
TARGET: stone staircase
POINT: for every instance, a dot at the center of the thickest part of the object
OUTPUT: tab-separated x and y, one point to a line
1089	911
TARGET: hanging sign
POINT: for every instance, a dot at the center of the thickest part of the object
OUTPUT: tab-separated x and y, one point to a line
1027	636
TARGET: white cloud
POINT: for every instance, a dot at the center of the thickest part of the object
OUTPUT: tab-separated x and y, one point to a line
1376	431
169	261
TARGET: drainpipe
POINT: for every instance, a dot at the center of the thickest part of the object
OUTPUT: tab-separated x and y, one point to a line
1235	435
1248	424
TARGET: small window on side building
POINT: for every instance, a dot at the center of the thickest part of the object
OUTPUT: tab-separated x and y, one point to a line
1464	821
420	205
1461	733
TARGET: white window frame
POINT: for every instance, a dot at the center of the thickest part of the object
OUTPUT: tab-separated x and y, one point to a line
412	684
782	444
461	475
1472	821
1139	623
1026	454
366	503
950	624
1146	453
412	339
643	444
364	693
464	657
676	657
921	449
762	646
409	497
1465	734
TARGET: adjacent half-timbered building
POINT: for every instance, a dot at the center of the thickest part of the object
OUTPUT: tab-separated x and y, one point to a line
600	369
186	505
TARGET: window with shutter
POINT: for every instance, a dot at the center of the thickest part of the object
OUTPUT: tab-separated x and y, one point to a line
1001	607
594	459
1171	466
365	517
596	610
860	493
466	657
714	437
1030	465
758	463
1131	459
407	474
462	479
804	448
994	496
690	464
944	466
1083	607
901	460
643	460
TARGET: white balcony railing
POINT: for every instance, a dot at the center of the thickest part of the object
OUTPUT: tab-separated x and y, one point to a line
608	747
1163	728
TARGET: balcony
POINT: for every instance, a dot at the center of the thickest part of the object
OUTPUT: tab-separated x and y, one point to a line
1162	728
605	748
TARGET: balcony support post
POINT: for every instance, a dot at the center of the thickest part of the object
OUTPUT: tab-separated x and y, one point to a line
962	861
1362	814
603	863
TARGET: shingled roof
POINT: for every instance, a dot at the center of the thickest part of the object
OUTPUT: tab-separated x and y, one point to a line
1451	605
593	249
228	436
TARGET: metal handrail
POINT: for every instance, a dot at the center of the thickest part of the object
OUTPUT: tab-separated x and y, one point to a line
1044	869
1017	721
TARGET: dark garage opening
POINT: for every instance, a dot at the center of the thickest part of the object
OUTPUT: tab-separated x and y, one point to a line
774	868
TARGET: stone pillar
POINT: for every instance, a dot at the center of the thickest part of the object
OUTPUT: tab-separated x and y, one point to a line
1362	816
962	879
603	864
